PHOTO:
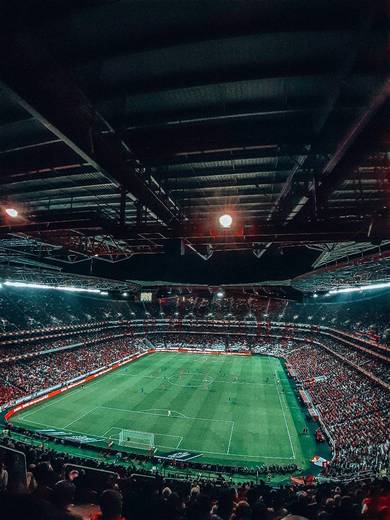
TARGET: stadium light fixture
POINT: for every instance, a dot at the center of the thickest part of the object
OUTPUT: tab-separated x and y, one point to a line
226	220
220	294
315	295
125	294
67	288
12	212
360	288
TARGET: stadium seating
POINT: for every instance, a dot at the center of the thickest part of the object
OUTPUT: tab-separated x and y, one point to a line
345	374
59	487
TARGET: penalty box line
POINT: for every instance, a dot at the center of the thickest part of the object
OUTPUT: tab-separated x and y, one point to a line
203	419
243	456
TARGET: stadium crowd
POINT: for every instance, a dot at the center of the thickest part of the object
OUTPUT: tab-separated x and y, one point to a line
41	344
57	488
196	341
22	378
27	309
354	409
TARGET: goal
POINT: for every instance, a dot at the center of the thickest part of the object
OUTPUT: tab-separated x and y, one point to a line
136	439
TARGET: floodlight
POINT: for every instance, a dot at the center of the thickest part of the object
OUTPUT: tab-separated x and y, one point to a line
67	288
360	288
12	212
226	220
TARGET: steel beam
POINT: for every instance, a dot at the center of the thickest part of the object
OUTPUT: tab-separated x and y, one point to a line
36	83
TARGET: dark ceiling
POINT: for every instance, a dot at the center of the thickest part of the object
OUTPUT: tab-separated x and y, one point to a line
127	127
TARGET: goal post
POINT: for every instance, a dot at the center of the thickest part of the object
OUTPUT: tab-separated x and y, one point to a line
136	439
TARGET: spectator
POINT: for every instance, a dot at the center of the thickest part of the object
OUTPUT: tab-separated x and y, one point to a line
111	506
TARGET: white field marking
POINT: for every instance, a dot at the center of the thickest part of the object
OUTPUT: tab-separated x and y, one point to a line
167	378
225	381
178	444
230	438
193	385
163	415
284	415
151	410
239	383
81	416
241	455
105	434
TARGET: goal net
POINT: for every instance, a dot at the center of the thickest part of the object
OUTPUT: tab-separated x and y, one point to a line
136	439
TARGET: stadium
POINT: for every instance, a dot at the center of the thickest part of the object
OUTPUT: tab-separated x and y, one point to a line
195	260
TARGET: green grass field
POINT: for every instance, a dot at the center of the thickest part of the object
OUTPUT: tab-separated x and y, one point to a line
226	409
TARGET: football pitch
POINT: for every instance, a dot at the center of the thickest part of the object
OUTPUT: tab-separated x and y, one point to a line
238	410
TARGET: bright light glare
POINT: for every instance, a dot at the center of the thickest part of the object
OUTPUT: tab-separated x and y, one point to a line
53	287
226	220
125	294
382	285
11	212
220	294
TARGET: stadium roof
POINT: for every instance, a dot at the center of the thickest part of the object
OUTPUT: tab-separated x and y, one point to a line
127	126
